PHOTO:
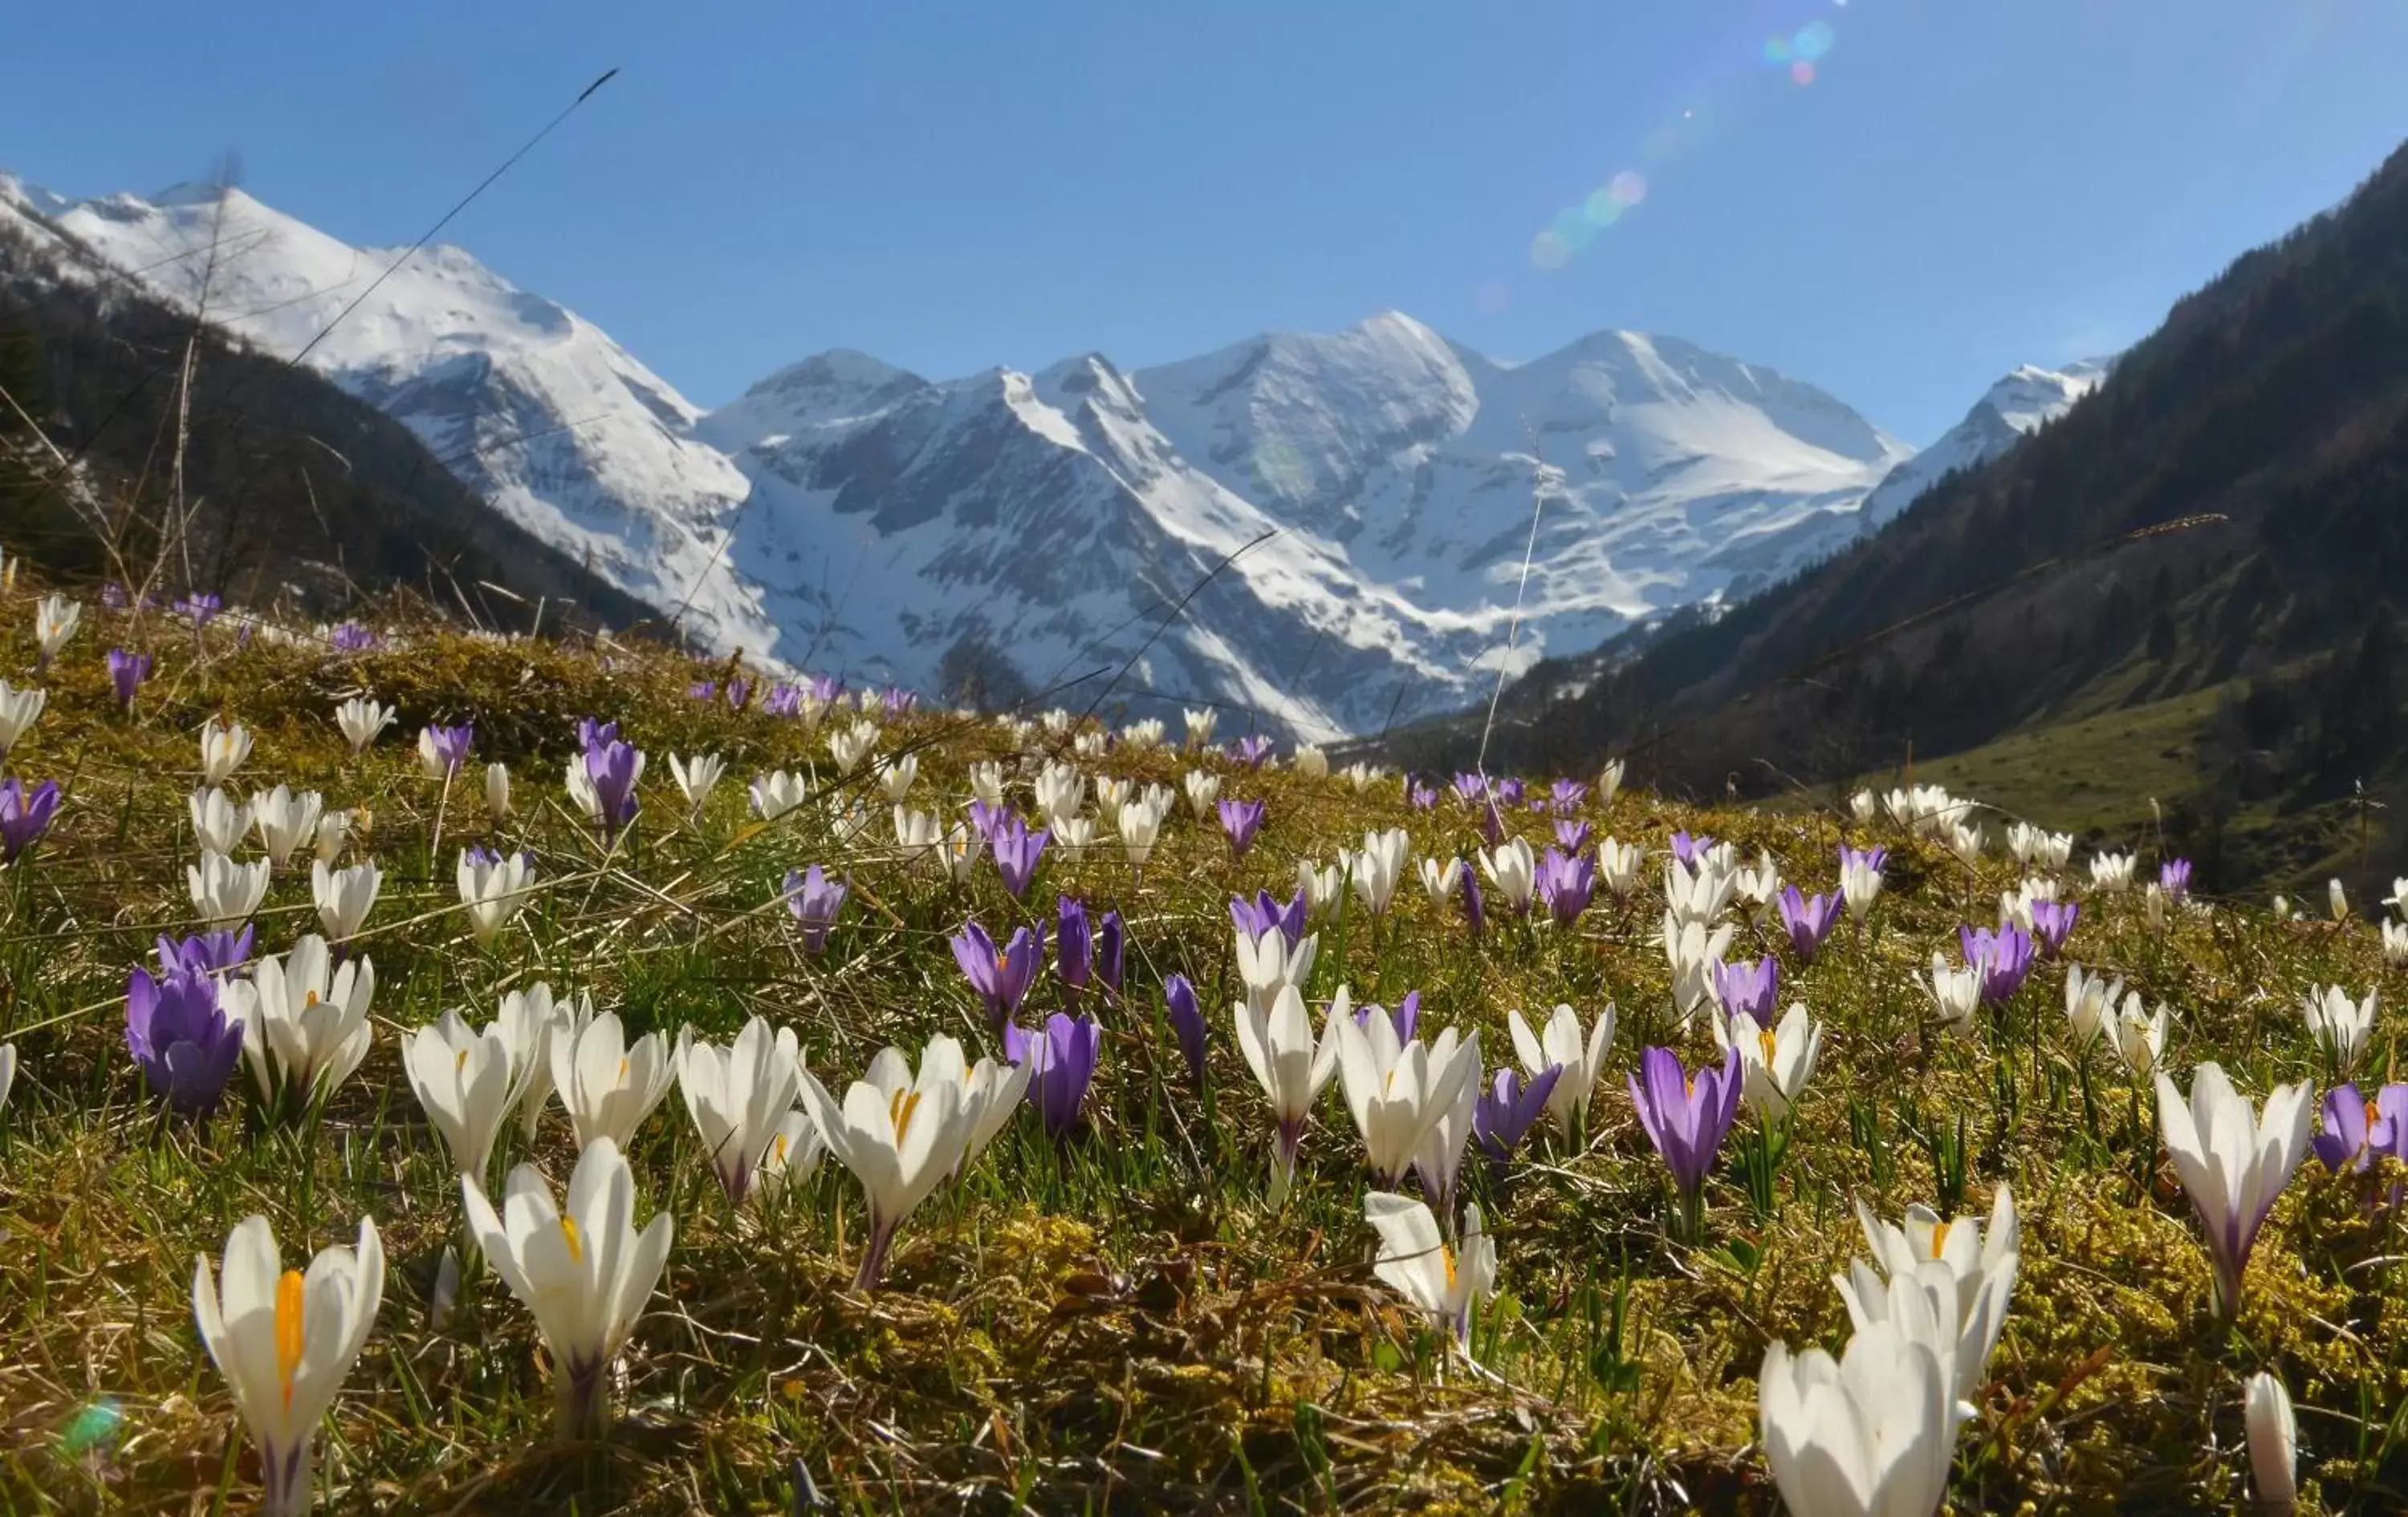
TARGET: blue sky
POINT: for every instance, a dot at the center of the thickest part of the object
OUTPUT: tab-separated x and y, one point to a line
1959	186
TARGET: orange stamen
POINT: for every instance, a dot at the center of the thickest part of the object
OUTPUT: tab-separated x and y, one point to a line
288	1330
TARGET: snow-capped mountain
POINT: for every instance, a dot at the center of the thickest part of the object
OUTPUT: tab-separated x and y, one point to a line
1327	529
2016	405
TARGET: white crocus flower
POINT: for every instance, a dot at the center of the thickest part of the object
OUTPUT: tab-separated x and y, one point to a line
991	1091
1362	776
1760	886
1394	1088
2338	899
606	1085
1380	867
1966	839
1447	1285
18	710
55	620
1073	836
1693	950
585	1272
286	821
362	720
1310	762
493	892
848	746
1955	994
895	777
2233	1165
2112	872
1203	788
1060	791
225	892
1266	966
497	793
1140	827
2338	1025
738	1096
1975	1276
1438	1158
1609	782
1322	885
2089	1001
900	1137
344	896
305	1023
219	823
1146	733
917	836
1112	793
1864	805
776	793
1860	886
1513	871
1776	1062
2398	899
2140	1036
223	748
1560	1042
2394	944
1439	882
1200	725
1276	1037
987	782
2273	1444
334	829
1698	895
792	1157
536	1020
468	1083
1871	1435
1618	866
285	1341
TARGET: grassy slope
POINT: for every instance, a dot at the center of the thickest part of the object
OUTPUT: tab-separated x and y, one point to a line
1123	1321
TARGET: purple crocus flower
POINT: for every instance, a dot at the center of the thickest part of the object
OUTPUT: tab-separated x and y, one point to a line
1872	859
1419	797
1251	750
352	637
450	745
202	607
1750	986
1566	795
1001	977
1572	837
1186	1023
181	1039
1060	1064
1406	1018
1074	945
702	689
1688	849
827	689
783	700
1566	882
2004	958
127	671
112	595
612	767
1240	820
987	818
2354	1129
1474	916
2052	924
2174	877
206	953
1810	920
592	734
1110	945
1492	825
1685	1117
1508	791
1470	787
1260	915
1505	1111
1016	851
738	692
24	815
898	701
815	900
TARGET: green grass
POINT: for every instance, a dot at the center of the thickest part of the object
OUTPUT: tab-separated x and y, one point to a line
2088	773
1123	1322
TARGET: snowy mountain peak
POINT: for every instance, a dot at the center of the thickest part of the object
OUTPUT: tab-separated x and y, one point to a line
2024	400
1326	529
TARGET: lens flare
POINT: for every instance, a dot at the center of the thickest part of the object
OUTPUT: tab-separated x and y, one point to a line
1776	49
1813	40
1549	251
1802	71
1601	209
1629	188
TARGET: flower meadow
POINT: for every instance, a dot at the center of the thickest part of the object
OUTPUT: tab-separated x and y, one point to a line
445	1072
